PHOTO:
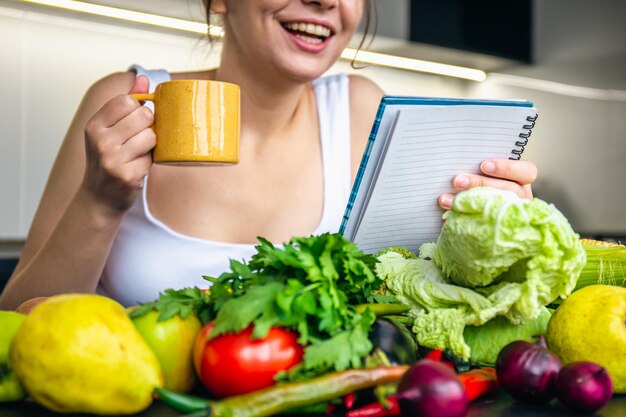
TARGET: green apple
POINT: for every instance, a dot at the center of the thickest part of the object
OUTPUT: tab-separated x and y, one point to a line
10	387
172	341
589	326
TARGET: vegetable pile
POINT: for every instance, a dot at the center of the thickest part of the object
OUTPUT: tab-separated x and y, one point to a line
486	282
299	327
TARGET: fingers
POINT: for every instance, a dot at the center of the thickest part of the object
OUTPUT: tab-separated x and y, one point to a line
119	107
521	172
111	112
138	169
139	145
505	174
123	179
139	119
466	181
445	201
141	85
110	143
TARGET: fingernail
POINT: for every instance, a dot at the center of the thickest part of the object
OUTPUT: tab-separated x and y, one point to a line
461	182
446	201
488	167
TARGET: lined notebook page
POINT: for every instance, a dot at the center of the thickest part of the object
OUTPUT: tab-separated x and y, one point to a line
425	148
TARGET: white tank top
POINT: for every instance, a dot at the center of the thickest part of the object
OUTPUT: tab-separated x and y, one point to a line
148	257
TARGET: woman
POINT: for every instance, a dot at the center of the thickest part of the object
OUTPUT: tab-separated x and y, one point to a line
100	227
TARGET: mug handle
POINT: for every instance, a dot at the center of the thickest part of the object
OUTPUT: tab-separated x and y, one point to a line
143	97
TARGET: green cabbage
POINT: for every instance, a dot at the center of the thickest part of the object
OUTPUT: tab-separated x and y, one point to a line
497	255
488	340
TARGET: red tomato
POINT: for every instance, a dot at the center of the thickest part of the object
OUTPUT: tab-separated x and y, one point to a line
233	364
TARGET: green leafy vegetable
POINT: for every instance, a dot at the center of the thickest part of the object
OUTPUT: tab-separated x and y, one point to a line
398	249
313	285
497	255
177	302
487	341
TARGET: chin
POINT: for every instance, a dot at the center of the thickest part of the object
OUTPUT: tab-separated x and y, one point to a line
305	70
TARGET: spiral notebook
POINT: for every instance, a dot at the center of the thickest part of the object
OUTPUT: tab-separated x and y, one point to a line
416	146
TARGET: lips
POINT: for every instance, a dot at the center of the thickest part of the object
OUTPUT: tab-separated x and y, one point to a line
309	36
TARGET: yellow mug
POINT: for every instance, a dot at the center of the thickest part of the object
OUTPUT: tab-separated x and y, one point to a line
195	122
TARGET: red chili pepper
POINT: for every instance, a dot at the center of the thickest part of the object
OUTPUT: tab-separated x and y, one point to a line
376	409
348	401
479	382
437	356
330	408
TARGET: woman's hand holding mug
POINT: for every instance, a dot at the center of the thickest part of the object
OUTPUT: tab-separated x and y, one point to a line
119	139
195	122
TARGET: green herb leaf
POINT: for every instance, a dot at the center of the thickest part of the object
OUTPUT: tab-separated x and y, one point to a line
342	351
171	303
238	313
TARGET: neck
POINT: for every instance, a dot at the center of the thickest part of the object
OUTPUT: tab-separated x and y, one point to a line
269	103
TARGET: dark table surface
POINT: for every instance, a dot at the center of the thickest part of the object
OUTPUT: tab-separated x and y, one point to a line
498	405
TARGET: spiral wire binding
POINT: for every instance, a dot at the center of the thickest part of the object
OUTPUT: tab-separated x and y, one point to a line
522	143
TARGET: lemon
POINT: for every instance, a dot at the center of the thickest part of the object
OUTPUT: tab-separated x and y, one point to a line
80	353
589	326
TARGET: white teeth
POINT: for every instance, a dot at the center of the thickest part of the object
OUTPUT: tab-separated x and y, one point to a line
310	28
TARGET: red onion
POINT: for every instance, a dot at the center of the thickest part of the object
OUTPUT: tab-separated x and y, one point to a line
431	389
528	371
584	387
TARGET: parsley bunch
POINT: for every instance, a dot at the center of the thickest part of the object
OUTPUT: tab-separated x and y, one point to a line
311	285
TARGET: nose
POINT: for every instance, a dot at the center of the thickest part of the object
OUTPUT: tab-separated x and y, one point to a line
325	4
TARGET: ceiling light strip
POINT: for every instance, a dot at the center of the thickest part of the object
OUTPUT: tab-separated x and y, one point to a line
373	58
393	61
130	15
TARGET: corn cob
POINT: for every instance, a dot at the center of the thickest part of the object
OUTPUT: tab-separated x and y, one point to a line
591	242
606	264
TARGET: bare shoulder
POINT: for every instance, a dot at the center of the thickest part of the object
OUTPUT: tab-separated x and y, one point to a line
363	91
365	97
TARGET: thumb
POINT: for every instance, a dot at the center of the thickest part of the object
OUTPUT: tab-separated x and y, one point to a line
141	85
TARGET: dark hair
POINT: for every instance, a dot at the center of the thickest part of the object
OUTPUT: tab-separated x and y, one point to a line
370	12
370	15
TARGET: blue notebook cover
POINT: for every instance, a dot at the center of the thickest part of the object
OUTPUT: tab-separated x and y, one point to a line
517	123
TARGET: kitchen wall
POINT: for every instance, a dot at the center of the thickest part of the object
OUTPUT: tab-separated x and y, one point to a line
50	58
568	30
578	82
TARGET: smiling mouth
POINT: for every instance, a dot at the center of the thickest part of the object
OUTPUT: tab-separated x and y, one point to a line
308	32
